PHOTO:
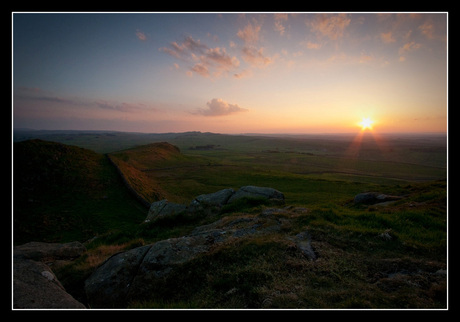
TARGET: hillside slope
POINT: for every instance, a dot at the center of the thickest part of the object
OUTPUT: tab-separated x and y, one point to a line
149	168
65	193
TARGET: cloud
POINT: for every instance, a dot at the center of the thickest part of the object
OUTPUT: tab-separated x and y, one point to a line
279	26
427	30
251	53
329	25
220	57
243	73
140	35
200	69
186	50
123	107
410	46
205	61
256	57
387	37
312	45
250	34
407	47
218	107
39	95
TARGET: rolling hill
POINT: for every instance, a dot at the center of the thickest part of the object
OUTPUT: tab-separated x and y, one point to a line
64	193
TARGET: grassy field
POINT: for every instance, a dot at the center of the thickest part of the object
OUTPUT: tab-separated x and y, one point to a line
307	171
369	256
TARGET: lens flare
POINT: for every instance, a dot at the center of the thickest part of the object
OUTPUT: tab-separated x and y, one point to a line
366	123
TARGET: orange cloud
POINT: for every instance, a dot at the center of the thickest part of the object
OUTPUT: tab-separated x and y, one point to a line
218	107
206	61
407	47
250	34
256	57
329	25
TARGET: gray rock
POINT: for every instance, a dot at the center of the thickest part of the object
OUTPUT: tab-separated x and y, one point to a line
164	208
370	198
34	283
133	274
108	286
257	192
36	287
212	202
303	243
218	198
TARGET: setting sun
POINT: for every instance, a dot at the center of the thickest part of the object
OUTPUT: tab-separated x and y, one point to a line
366	123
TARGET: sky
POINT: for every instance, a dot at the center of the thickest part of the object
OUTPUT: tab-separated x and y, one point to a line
230	72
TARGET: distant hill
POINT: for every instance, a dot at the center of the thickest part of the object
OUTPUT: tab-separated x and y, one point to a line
64	192
136	166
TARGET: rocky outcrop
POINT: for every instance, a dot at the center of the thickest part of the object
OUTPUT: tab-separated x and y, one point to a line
133	274
213	201
34	283
257	192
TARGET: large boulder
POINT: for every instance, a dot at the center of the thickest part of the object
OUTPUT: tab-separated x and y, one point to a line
257	192
218	198
109	285
164	208
34	283
36	287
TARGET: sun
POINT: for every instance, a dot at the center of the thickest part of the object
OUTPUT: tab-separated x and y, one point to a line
366	123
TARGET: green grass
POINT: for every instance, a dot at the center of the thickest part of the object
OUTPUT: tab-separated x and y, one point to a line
353	260
66	193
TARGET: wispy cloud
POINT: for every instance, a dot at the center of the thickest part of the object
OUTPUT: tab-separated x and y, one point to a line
251	52
140	35
280	19
387	37
127	107
36	96
330	25
205	61
406	48
218	107
256	57
39	95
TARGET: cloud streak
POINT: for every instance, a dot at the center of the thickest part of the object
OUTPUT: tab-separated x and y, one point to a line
37	97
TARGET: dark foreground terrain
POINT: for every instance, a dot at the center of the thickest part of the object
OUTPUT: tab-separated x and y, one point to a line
317	247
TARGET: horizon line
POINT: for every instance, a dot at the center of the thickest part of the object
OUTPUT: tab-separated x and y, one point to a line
241	133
